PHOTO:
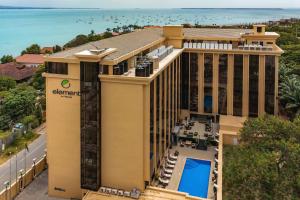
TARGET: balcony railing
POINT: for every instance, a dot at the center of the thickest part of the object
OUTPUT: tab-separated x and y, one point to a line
224	46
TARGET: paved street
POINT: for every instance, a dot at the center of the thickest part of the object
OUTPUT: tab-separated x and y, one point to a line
36	150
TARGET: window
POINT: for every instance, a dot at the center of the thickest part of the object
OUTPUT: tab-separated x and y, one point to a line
259	29
90	126
238	85
56	68
185	81
270	84
223	66
208	78
194	82
253	85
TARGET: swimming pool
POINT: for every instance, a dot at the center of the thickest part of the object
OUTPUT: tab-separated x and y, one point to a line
195	178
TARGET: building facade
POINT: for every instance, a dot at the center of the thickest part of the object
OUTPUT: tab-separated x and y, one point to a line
112	104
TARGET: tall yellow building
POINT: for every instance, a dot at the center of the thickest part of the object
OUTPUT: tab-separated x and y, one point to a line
112	104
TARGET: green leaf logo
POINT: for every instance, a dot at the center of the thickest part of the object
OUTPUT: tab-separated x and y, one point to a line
66	84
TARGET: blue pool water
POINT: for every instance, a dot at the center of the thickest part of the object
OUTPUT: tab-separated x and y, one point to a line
195	178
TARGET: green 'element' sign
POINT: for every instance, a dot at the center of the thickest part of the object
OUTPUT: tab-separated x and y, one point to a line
66	84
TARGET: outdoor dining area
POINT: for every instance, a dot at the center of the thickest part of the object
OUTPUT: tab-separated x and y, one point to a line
195	133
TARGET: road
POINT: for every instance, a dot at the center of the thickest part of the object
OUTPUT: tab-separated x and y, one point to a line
24	157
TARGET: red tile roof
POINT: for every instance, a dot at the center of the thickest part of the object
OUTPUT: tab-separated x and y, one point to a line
46	50
31	59
16	71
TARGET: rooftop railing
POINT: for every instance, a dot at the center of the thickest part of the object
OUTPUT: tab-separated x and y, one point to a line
224	46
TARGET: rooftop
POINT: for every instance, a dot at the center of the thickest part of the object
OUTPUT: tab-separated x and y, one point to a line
31	58
124	44
16	71
131	44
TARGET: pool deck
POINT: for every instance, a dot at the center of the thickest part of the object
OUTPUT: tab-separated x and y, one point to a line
188	152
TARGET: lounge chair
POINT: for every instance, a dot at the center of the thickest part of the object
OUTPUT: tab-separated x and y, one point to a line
172	157
169	166
163	182
165	175
167	171
172	162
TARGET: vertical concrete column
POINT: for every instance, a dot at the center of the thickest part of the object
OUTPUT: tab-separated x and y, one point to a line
215	83
261	85
146	139
189	92
160	115
201	82
169	104
276	110
176	88
110	70
179	85
154	126
165	107
173	93
246	86
230	82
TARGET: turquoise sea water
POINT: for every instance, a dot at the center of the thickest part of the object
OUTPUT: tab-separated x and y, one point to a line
21	27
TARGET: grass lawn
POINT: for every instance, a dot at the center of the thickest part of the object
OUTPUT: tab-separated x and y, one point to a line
18	145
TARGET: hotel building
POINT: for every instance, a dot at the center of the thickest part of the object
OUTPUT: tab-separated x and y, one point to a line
112	104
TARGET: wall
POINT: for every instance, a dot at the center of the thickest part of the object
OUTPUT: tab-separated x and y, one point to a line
63	128
122	135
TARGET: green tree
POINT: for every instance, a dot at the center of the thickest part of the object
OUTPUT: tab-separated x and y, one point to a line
30	122
7	83
7	59
5	121
266	165
33	49
19	102
78	40
57	48
38	81
290	95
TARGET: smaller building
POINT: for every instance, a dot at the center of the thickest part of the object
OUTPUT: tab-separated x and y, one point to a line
47	50
16	71
30	60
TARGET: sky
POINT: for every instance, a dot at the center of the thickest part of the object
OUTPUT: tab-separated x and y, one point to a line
155	3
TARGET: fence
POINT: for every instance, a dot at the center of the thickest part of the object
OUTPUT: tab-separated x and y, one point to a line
23	180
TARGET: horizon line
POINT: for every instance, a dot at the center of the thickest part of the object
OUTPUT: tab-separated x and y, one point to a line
90	8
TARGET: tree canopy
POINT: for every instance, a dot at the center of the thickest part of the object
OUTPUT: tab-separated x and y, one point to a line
7	59
19	102
266	165
33	49
7	83
38	81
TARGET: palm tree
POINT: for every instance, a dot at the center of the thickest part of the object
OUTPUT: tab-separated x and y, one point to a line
290	95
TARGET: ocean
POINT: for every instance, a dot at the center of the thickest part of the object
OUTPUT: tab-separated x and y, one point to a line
20	28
